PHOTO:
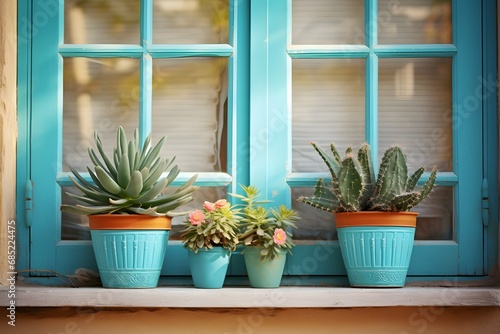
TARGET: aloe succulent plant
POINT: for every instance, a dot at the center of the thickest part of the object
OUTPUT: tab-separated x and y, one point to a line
130	182
354	187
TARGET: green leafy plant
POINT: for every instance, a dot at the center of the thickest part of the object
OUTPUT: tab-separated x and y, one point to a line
130	181
216	225
353	185
264	227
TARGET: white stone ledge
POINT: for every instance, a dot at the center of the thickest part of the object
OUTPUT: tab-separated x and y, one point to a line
245	297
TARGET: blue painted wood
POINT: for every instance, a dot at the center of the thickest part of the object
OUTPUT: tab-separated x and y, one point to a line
279	115
46	140
238	104
328	51
145	97
467	137
23	161
259	128
101	50
207	179
188	50
415	50
146	23
490	121
259	92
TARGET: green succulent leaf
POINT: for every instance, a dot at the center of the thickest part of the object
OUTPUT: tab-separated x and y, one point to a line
124	171
134	187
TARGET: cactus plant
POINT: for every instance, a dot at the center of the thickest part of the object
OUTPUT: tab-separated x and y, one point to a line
354	187
130	182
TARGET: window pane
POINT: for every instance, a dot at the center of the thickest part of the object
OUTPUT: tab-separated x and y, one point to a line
414	22
101	21
327	22
435	219
434	222
201	195
314	224
73	227
415	110
99	94
190	21
189	107
328	104
76	227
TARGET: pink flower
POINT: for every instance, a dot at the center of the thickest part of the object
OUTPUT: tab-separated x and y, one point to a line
220	203
196	217
209	206
279	236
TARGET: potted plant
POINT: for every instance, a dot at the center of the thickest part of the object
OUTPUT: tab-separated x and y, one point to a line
210	235
129	209
267	238
375	228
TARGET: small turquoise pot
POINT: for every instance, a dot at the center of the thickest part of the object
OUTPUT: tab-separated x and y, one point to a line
264	273
376	256
129	259
209	267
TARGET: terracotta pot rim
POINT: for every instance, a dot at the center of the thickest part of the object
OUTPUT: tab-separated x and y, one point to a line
129	222
376	218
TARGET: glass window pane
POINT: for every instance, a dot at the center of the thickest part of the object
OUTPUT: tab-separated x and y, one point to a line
99	94
414	22
415	110
190	21
314	224
73	227
328	104
435	219
327	22
434	222
101	21
190	107
201	195
76	227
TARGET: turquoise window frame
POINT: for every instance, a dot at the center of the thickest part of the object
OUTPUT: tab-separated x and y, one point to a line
259	143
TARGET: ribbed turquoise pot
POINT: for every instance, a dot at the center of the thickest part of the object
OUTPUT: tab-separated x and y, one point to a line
376	256
263	273
129	259
209	267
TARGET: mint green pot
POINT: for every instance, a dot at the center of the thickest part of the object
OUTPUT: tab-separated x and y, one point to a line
263	273
209	267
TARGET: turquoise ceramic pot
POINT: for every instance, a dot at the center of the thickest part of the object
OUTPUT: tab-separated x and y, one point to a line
376	256
263	273
209	267
129	259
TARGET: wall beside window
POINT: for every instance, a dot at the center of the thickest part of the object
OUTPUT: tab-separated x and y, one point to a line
8	61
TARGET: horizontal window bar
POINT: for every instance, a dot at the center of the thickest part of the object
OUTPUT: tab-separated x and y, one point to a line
101	50
204	179
310	179
415	50
328	51
136	51
190	50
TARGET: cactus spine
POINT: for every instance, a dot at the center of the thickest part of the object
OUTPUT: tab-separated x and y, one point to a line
353	186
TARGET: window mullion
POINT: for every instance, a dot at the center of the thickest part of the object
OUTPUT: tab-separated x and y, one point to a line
146	71
371	99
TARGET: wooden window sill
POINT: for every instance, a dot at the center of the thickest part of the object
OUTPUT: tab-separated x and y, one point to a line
246	297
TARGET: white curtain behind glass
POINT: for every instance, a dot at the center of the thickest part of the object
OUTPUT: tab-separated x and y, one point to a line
189	95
